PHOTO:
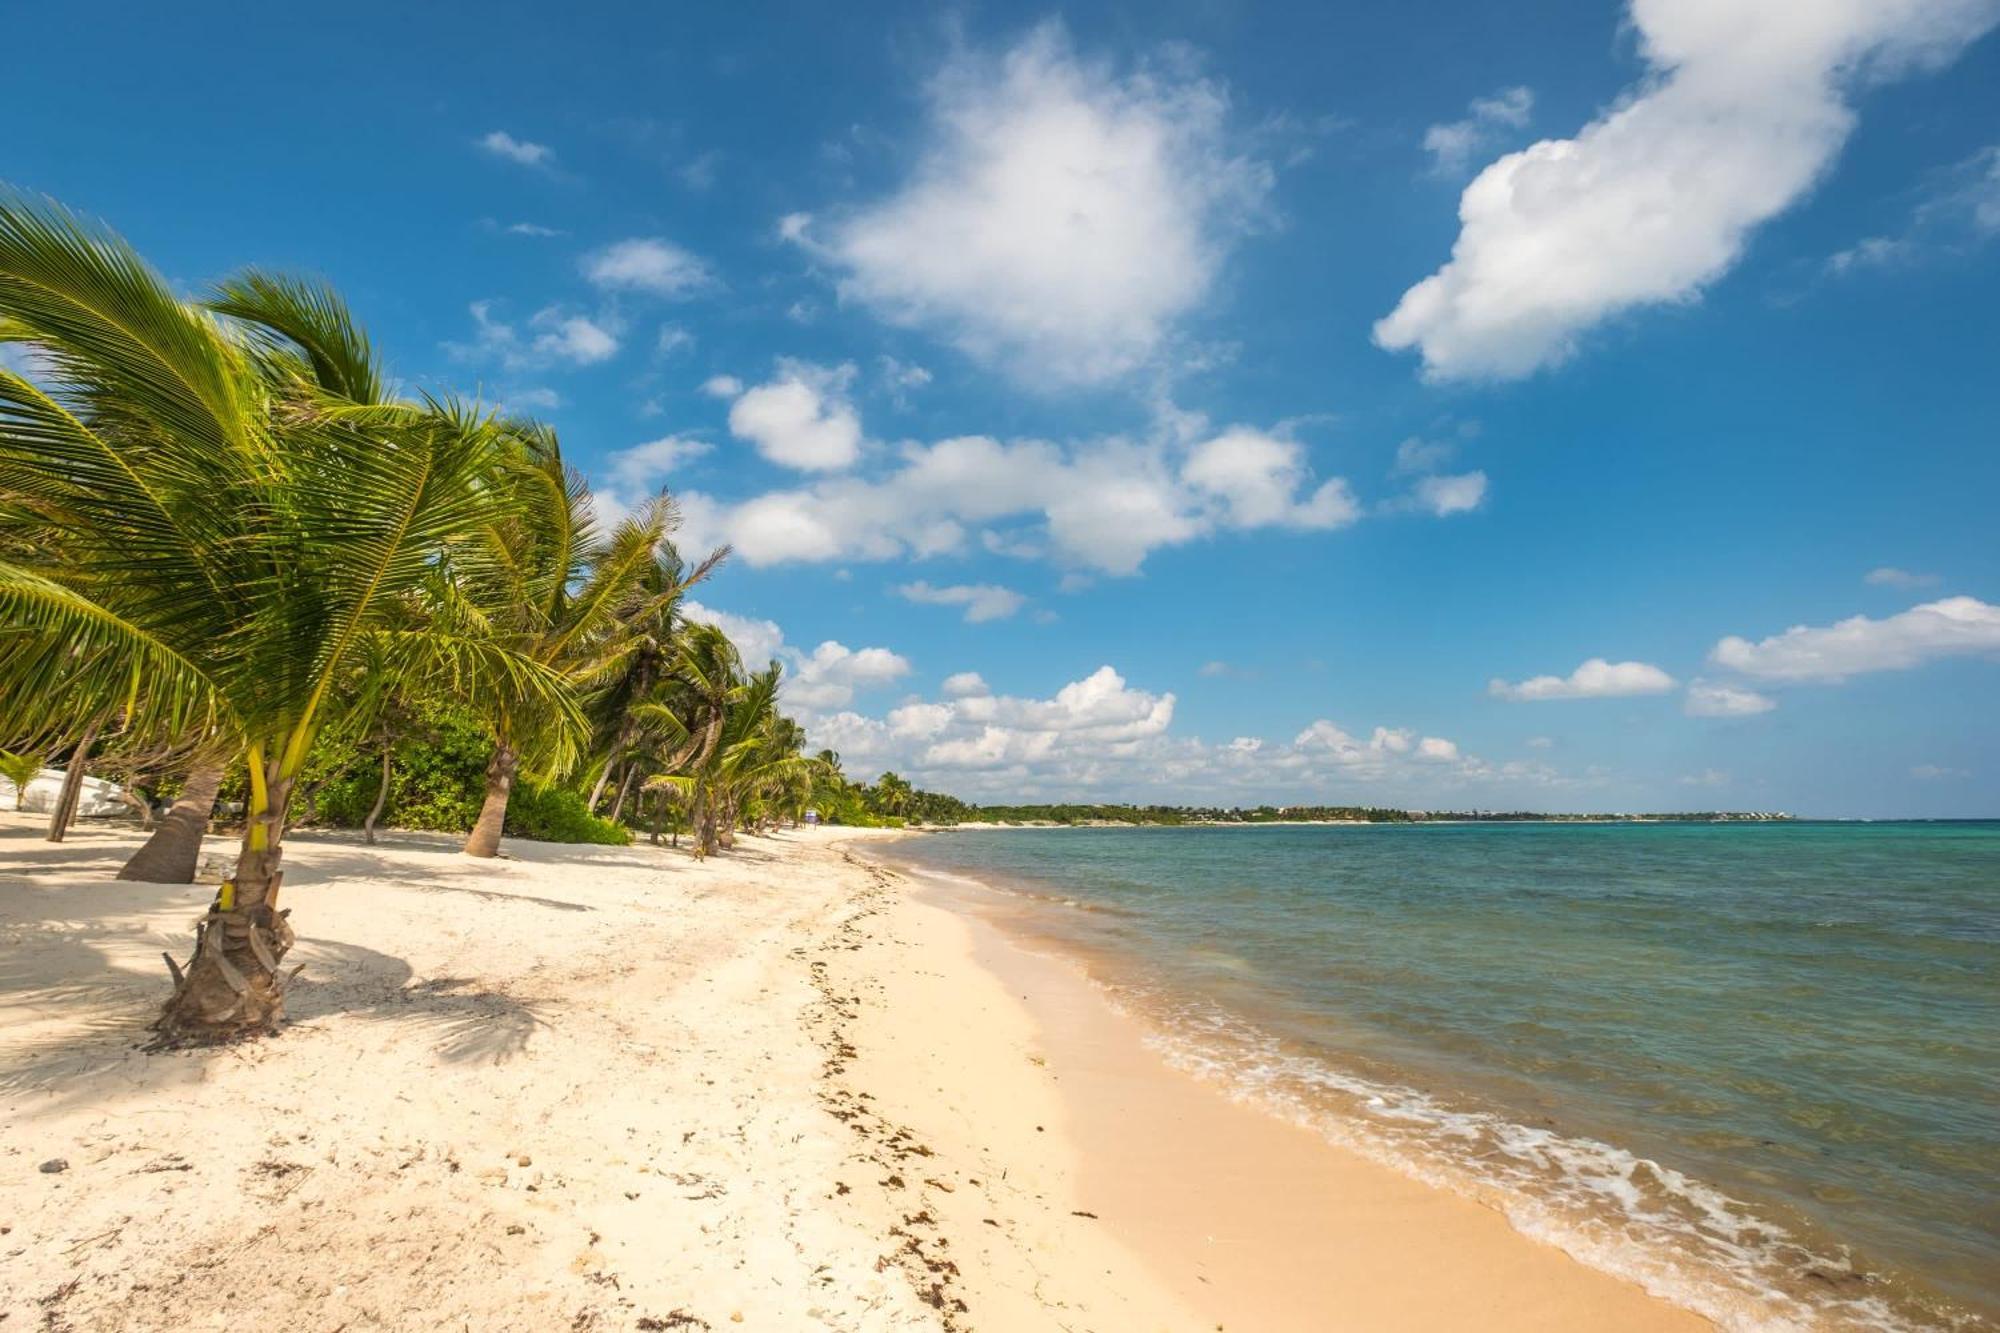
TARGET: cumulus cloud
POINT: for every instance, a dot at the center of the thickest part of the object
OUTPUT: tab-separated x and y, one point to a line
502	144
800	418
982	601
1595	679
960	684
722	386
1707	698
1453	145
1063	216
1102	505
827	677
1951	627
1744	106
1258	481
1888	576
553	336
650	264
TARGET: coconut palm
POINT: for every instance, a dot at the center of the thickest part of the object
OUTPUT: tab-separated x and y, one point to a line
559	595
240	509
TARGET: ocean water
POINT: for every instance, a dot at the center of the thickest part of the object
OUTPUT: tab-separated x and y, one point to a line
1754	1066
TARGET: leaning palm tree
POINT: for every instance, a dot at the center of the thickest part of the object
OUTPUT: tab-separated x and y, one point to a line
239	509
558	595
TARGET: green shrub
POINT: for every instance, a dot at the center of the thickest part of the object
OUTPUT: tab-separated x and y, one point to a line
557	814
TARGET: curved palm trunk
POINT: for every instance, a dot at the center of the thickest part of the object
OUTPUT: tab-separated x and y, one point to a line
231	987
381	800
171	855
71	794
484	840
624	789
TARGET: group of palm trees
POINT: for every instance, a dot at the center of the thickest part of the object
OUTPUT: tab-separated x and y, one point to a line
226	541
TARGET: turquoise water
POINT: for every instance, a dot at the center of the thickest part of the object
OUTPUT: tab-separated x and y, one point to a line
1756	1067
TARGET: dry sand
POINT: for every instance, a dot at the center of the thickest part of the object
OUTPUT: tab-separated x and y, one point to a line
614	1088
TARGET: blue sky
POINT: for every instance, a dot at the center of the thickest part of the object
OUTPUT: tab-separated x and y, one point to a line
1553	406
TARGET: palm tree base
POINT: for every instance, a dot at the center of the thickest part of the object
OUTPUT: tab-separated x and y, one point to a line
232	987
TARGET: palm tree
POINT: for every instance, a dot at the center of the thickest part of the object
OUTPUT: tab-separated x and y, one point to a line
560	596
240	509
19	769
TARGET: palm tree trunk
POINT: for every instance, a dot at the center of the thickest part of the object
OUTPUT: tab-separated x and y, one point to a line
71	794
484	840
618	806
231	987
381	799
171	855
597	792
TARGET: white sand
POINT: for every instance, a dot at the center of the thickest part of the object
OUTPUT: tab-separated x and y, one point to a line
615	1088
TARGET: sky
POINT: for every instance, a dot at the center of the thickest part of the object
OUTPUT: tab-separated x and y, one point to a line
1547	406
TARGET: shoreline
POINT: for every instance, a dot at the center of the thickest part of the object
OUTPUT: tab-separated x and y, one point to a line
1249	1220
1440	1140
593	1087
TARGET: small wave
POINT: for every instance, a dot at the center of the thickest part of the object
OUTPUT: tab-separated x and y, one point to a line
1679	1238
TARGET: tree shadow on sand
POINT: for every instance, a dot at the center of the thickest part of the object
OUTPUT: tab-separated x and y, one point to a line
76	1010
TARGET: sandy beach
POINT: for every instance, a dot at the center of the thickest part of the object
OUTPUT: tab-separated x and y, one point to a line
618	1088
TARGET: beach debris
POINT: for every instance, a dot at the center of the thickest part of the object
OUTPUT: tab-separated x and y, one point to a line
53	1166
673	1319
1078	1212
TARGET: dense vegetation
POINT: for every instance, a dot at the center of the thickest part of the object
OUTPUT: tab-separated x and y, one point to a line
237	566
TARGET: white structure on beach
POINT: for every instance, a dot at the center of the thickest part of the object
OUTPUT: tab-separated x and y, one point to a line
97	798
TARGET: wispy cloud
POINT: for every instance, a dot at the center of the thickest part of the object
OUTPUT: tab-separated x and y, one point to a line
528	154
982	601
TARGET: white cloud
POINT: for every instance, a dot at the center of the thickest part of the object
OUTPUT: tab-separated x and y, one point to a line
982	601
641	467
1102	505
961	684
757	641
1541	742
554	336
1452	145
827	677
1595	679
1890	577
1444	496
1257	479
673	338
534	399
649	264
1063	216
1954	626
722	386
502	144
1744	106
1707	698
1708	777
534	229
830	675
801	418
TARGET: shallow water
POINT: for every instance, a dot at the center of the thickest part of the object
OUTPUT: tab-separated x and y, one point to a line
1756	1067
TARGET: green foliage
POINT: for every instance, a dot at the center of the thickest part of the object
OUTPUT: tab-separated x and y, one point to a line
557	814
